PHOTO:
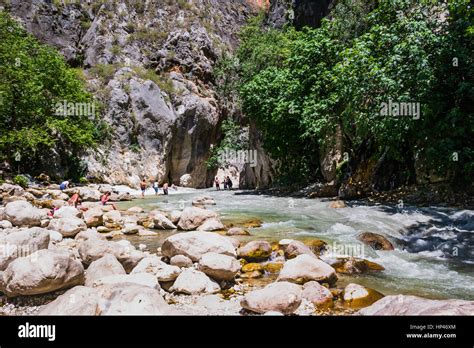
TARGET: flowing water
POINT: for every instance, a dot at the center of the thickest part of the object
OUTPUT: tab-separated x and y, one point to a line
433	256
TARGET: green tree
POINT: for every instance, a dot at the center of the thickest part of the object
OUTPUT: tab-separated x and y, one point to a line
34	78
336	77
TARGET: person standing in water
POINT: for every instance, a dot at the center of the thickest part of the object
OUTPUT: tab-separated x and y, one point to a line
165	188
156	187
143	187
218	184
229	183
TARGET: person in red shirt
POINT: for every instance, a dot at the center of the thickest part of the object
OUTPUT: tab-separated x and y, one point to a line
105	199
75	200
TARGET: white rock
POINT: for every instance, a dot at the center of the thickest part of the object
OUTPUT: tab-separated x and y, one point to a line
110	299
283	297
93	249
22	213
161	222
162	271
113	219
413	305
218	266
4	224
41	272
67	211
181	261
192	217
94	217
67	226
21	243
105	266
196	244
55	236
317	294
193	282
304	268
212	224
144	279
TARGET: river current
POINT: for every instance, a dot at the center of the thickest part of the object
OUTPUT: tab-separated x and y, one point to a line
433	256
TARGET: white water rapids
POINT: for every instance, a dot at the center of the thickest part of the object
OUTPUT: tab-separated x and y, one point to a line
433	254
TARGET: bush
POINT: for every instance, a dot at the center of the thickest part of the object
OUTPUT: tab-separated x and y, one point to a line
34	80
83	180
21	180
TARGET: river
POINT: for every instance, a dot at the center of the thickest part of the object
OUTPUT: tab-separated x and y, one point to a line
433	256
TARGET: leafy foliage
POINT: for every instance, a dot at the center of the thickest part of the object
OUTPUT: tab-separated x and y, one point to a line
34	78
299	87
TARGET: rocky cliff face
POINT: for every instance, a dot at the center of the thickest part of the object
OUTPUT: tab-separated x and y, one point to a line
151	65
299	13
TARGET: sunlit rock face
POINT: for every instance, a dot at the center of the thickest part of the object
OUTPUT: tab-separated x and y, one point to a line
151	65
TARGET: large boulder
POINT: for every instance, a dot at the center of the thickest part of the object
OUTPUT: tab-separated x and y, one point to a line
162	271
12	190
283	297
131	299
317	294
113	220
414	305
22	243
5	224
212	224
357	296
193	217
93	249
237	231
67	226
193	282
181	261
255	251
67	211
161	222
218	266
22	213
105	266
196	244
293	248
41	272
353	265
89	234
79	300
93	217
375	241
110	299
144	279
304	268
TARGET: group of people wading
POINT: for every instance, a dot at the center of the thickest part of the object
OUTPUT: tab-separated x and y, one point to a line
156	187
227	183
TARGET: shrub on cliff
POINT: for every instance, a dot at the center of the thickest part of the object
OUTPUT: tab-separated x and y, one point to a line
46	116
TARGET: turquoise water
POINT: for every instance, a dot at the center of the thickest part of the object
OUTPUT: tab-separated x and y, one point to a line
433	256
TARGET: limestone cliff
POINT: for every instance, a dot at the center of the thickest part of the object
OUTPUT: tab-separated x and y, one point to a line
150	63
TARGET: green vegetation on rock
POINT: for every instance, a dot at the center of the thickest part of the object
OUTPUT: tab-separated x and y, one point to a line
301	87
35	82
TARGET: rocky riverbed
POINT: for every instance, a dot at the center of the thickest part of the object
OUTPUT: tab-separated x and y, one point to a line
93	260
